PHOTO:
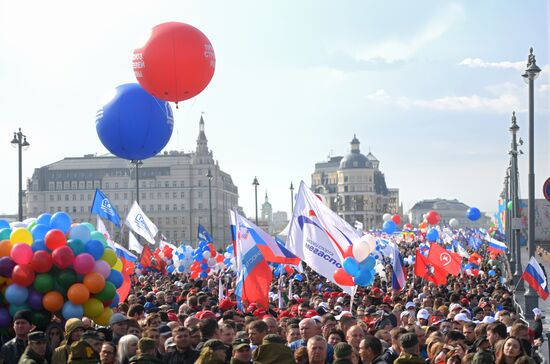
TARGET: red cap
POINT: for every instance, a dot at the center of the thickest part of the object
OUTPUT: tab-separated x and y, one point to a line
204	315
464	301
376	291
334	294
226	304
284	313
172	316
310	314
326	294
259	312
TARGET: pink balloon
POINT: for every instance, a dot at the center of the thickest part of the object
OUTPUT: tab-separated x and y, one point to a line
21	253
83	263
103	268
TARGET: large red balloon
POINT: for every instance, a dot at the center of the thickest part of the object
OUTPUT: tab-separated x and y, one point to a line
22	275
41	261
343	278
55	239
176	63
63	257
432	217
396	218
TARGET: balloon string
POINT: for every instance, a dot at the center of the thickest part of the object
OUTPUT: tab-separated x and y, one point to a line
177	107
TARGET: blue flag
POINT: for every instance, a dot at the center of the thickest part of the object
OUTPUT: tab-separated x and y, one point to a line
204	235
102	207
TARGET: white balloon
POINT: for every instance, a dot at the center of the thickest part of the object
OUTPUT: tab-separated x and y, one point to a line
227	255
17	224
206	255
386	217
364	247
453	223
211	262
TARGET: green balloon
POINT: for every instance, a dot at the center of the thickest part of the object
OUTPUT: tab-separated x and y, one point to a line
77	246
96	235
31	225
89	226
16	308
108	293
41	319
43	282
510	204
5	234
66	278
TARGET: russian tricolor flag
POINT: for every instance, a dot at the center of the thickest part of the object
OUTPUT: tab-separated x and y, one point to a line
534	275
496	246
399	277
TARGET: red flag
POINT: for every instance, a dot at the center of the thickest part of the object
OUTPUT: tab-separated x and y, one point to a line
146	257
127	269
423	269
444	259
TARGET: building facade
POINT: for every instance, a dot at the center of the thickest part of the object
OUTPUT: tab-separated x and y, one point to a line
354	187
447	209
173	190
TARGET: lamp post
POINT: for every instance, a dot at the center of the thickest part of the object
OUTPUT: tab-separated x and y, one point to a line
507	218
137	164
514	230
210	176
291	199
256	184
531	73
20	140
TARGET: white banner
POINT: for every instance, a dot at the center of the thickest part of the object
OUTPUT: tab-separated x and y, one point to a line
133	243
140	223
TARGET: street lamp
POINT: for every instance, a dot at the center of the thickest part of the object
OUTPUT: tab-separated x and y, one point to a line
210	176
291	199
20	140
514	231
531	73
137	164
256	184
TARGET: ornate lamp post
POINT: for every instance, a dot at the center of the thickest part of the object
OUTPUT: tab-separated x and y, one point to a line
20	141
137	164
291	199
256	184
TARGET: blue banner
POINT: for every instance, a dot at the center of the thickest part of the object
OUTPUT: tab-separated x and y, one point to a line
102	207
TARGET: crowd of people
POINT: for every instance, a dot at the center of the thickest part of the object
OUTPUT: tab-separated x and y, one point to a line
174	319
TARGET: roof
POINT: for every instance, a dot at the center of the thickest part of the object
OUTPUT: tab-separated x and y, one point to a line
439	203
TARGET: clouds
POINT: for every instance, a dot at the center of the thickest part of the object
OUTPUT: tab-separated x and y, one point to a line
479	63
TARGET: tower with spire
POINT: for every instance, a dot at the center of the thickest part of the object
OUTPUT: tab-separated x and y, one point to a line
267	211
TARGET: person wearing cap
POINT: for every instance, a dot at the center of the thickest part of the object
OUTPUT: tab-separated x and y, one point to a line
410	350
164	333
13	349
86	350
35	353
343	353
273	351
147	349
119	326
74	328
183	353
423	316
213	352
241	354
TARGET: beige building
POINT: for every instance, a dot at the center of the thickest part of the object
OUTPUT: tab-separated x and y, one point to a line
447	209
173	190
355	188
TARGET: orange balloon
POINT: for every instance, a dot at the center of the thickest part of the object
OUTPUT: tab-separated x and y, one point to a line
78	294
5	248
52	301
94	281
422	225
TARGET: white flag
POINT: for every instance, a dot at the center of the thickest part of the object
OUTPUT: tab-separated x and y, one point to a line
318	236
100	226
140	223
133	243
221	294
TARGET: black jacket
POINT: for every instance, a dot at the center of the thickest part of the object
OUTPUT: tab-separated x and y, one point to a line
188	356
12	350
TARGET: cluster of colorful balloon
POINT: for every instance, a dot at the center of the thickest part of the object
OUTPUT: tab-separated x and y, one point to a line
391	223
229	256
182	259
358	265
206	258
52	266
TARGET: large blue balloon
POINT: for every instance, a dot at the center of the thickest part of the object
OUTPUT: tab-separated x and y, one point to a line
94	248
44	219
389	227
71	310
39	231
351	266
115	277
62	221
134	125
473	213
4	224
80	232
432	234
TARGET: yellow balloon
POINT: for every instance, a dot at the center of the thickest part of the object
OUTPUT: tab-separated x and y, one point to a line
103	319
21	235
118	265
109	256
3	280
93	308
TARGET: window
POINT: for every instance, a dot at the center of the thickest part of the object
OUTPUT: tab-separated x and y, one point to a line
66	197
81	197
89	185
51	186
143	195
167	220
81	208
73	185
151	208
182	206
200	205
182	194
175	220
199	193
167	195
182	184
175	235
159	195
74	197
51	210
35	210
174	184
175	207
174	195
167	207
51	197
159	207
200	183
74	208
116	184
166	184
106	185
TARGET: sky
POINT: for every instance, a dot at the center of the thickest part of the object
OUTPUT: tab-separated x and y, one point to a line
427	86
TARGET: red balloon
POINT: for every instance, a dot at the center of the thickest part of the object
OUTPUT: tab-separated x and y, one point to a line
432	217
41	261
55	239
23	275
396	218
348	252
176	63
343	278
63	257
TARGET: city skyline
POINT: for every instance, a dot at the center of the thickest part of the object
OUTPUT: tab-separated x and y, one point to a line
430	93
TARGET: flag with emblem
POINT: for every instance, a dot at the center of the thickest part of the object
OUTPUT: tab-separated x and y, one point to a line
103	207
140	223
444	259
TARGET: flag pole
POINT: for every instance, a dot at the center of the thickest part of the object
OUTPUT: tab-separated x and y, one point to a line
352	297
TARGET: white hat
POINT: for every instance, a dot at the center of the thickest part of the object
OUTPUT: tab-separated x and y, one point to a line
340	300
423	314
488	320
323	305
537	311
344	313
454	306
462	317
338	308
404	313
410	305
296	297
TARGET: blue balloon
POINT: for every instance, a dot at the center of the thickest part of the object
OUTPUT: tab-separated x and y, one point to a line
4	224
181	269
473	213
116	278
16	294
203	274
76	246
365	278
134	125
298	277
95	248
39	231
368	263
62	221
351	266
432	234
230	249
170	269
80	232
116	300
70	310
44	219
389	227
491	273
204	266
39	245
